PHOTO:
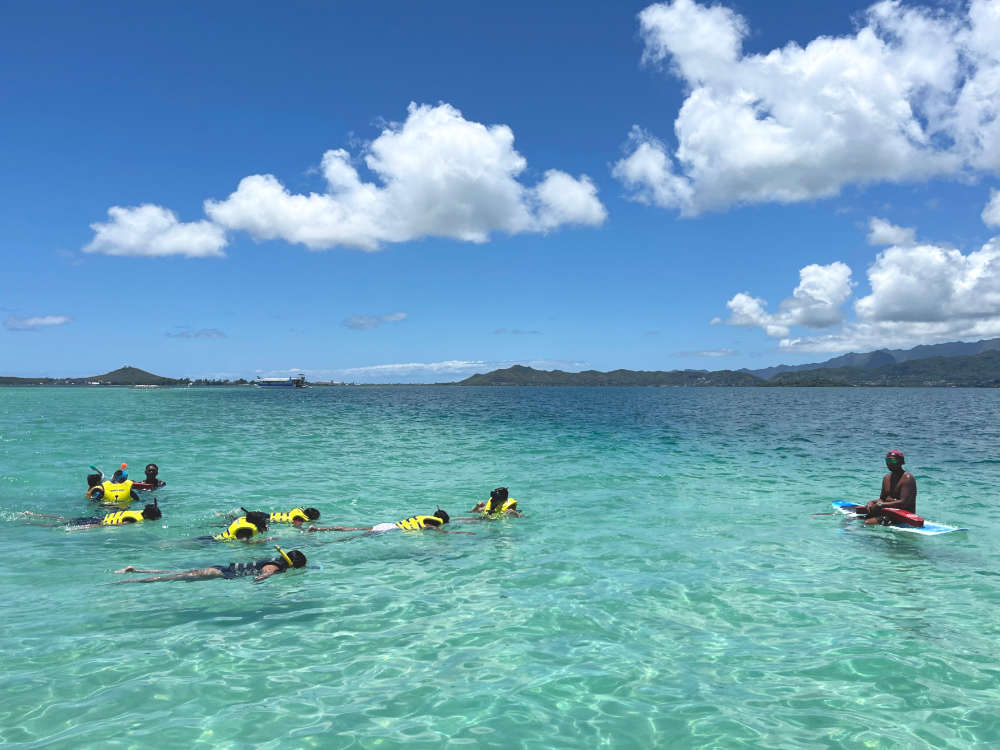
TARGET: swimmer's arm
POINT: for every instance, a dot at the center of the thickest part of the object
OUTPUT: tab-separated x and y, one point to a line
445	531
259	541
44	515
266	572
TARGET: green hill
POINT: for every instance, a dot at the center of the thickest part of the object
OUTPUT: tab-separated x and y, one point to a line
122	376
132	376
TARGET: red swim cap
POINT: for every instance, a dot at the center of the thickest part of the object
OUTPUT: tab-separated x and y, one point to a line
897	454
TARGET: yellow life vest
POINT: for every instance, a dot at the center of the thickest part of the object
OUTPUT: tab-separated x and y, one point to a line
117	492
491	512
240	523
120	517
415	523
295	514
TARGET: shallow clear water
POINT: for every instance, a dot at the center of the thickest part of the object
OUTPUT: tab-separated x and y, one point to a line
668	587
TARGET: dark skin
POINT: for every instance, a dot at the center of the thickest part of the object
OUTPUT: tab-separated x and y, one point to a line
480	507
195	574
899	490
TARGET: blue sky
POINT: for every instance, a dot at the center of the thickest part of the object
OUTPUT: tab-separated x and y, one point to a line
377	193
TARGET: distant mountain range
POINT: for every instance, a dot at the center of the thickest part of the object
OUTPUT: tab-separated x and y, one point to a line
953	364
883	357
520	375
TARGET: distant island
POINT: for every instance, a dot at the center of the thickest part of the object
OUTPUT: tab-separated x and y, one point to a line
955	364
122	376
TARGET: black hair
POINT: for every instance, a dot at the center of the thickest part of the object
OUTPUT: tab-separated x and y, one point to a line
93	480
443	515
298	559
257	518
117	476
311	513
499	494
152	511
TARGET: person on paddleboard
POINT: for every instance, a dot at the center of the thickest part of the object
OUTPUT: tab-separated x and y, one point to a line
899	489
259	569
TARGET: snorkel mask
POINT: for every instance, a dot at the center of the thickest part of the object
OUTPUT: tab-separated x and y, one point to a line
894	459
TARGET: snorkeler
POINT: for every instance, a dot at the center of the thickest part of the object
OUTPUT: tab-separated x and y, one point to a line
499	505
296	516
243	529
152	480
118	490
259	569
413	523
119	518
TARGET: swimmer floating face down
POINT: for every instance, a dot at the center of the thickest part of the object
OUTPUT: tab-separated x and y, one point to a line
259	569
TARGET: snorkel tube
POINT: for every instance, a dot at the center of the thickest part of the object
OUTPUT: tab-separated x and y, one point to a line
287	558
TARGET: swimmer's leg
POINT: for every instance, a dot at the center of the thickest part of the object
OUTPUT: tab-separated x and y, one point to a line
133	569
345	539
339	528
35	519
198	574
44	515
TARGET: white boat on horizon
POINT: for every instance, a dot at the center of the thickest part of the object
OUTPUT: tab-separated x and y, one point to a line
298	381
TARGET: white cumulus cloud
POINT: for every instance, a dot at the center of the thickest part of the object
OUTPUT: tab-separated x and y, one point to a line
919	294
14	323
151	231
436	174
815	303
912	94
882	232
991	213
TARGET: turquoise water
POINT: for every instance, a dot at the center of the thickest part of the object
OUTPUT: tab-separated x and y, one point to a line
667	588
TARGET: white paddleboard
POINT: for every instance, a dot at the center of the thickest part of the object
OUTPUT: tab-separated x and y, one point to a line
928	529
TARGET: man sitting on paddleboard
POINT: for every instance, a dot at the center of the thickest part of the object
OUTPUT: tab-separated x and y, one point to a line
899	490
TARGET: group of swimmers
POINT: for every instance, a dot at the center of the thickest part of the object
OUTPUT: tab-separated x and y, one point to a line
251	525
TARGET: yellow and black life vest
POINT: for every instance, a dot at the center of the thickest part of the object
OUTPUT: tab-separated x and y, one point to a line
117	492
495	510
415	523
120	517
295	514
237	525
